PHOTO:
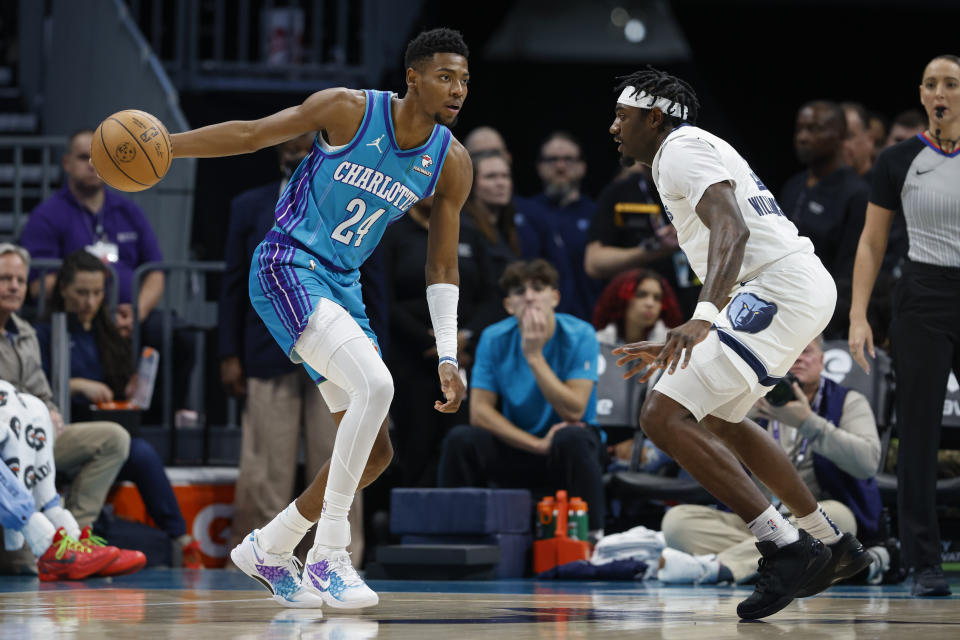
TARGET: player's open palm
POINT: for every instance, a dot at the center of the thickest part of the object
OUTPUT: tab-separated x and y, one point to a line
453	388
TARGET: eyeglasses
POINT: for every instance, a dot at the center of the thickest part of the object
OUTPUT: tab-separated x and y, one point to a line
556	159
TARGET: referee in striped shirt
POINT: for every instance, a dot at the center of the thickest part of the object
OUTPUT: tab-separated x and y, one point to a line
920	178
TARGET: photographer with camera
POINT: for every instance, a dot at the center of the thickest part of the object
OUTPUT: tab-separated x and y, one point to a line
830	435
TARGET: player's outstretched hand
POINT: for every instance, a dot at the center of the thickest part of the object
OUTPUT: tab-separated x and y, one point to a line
860	336
453	389
679	339
645	352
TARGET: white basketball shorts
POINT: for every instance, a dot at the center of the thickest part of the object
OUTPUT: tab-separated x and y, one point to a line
756	338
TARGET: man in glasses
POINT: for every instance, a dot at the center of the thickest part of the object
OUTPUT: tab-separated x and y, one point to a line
558	219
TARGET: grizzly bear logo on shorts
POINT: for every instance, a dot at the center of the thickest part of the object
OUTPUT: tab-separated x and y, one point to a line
751	314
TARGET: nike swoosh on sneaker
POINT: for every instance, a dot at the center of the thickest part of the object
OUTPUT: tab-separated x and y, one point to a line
319	583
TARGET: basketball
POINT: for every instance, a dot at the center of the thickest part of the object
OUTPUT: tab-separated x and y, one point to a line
131	150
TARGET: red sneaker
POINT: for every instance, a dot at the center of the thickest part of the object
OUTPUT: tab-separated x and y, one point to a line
67	559
127	561
192	556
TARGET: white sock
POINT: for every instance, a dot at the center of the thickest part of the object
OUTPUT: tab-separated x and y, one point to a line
284	532
60	517
820	526
39	533
770	525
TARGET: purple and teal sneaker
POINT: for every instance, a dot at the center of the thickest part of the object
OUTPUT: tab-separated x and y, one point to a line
278	572
330	575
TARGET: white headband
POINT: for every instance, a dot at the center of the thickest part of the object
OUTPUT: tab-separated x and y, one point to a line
644	100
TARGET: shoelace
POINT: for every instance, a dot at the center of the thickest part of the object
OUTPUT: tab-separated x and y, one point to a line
95	540
341	564
765	571
296	565
67	543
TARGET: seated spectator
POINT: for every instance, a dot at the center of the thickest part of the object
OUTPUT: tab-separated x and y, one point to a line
83	214
418	428
533	399
554	224
90	453
483	139
637	305
907	124
629	230
101	371
489	211
858	147
829	433
30	508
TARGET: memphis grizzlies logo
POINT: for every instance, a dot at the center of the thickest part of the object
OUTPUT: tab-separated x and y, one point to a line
751	314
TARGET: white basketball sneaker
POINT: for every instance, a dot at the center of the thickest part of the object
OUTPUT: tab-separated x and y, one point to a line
330	574
278	572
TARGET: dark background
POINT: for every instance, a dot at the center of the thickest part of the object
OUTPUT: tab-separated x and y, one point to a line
753	63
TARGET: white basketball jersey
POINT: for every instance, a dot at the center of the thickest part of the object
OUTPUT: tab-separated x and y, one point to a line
689	161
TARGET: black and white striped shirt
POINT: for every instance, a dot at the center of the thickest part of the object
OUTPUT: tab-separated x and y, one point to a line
917	178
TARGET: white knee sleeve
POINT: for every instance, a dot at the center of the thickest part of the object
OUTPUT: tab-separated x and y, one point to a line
338	349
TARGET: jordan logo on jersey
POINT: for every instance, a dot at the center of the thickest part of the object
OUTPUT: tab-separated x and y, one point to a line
376	143
751	314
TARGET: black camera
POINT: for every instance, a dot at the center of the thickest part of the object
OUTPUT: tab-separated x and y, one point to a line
782	392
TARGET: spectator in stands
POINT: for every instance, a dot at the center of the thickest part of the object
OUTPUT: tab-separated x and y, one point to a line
101	372
637	305
827	200
30	508
554	224
859	146
83	214
484	139
916	179
907	124
418	428
629	230
489	212
91	453
533	399
281	399
830	434
878	131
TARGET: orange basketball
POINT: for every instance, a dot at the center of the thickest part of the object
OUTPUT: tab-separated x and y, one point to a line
131	150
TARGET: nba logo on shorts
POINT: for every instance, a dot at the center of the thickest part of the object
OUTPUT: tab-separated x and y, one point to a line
751	314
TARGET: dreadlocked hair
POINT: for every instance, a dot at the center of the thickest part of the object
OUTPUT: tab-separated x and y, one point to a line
663	85
441	40
612	306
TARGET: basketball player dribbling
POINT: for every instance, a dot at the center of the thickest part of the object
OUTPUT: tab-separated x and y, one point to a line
765	297
374	157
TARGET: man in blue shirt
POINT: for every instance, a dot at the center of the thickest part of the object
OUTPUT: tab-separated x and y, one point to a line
555	224
540	368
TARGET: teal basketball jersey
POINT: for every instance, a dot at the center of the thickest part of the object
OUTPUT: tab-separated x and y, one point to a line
340	200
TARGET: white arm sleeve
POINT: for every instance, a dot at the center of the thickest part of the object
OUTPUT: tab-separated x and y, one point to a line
442	300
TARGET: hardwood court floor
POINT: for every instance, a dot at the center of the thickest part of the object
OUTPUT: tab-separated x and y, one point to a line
200	605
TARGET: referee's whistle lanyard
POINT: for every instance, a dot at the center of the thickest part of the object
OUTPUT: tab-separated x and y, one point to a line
801	453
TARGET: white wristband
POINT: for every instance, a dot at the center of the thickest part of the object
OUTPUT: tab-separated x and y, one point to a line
442	301
705	311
